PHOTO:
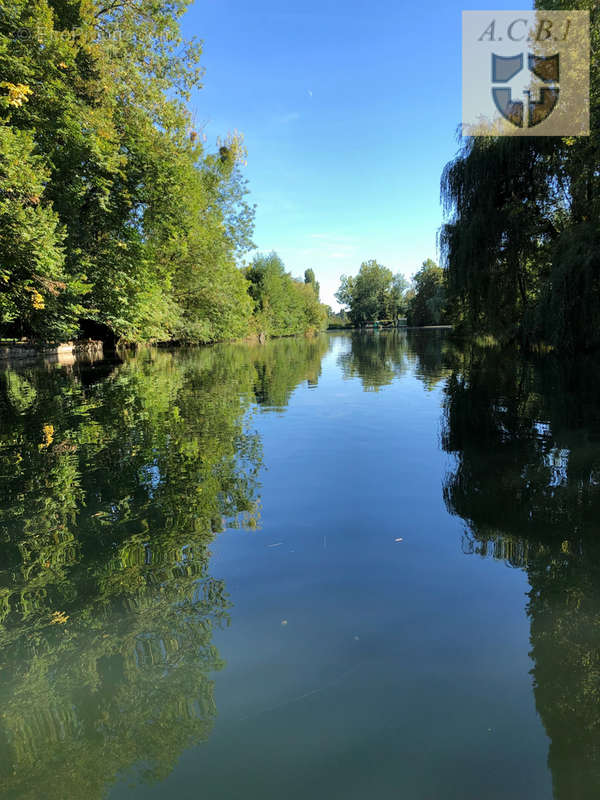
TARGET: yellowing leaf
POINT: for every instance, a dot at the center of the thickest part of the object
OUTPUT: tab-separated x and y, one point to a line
18	93
48	437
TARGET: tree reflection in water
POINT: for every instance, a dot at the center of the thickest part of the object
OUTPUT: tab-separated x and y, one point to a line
111	493
526	438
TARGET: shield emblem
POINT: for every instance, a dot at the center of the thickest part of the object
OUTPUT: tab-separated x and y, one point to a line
545	68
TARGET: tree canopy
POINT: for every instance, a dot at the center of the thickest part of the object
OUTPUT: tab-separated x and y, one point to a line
427	297
282	305
114	211
374	294
521	242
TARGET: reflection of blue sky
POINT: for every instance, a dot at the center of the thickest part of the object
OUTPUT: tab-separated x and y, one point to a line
558	462
556	459
349	113
151	477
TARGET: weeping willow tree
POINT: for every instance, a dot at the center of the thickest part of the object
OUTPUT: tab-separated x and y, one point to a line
521	240
503	213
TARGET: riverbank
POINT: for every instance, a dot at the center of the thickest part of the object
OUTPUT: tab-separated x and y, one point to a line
66	353
388	328
62	353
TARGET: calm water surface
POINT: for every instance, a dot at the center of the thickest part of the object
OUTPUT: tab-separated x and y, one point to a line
361	566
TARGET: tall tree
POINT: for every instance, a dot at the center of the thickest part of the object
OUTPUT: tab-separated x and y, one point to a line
521	242
309	278
374	294
427	304
152	224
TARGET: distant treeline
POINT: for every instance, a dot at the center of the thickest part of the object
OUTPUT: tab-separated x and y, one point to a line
115	218
521	246
377	295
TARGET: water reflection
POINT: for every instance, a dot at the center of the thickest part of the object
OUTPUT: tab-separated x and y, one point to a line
377	359
116	478
110	495
526	437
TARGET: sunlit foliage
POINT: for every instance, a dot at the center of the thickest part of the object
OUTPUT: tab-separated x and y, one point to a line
282	305
374	294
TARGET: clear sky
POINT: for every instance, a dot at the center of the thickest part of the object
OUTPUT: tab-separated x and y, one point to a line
349	111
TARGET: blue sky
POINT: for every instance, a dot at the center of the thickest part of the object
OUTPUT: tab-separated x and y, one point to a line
349	112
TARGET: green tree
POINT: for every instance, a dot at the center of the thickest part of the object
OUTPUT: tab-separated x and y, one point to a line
374	294
309	278
282	306
427	304
32	264
147	225
521	239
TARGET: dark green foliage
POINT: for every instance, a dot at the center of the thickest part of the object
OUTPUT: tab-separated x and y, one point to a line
523	227
570	313
338	319
32	264
427	301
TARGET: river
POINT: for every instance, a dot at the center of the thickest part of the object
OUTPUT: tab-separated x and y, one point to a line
359	565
